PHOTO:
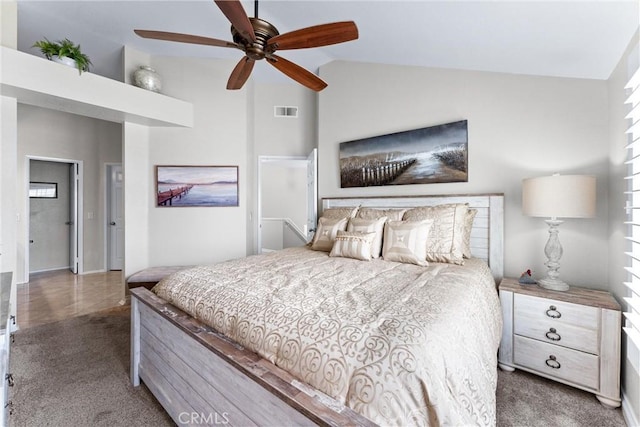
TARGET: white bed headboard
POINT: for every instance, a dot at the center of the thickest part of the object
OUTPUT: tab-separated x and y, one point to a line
487	234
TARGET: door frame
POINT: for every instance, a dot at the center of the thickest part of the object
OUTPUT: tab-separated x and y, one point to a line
270	159
79	213
107	211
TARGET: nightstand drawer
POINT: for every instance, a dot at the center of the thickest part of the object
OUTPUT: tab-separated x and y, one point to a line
560	362
543	309
554	332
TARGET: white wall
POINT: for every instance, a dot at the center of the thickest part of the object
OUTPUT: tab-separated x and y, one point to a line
519	127
194	235
283	194
8	147
53	134
137	181
630	378
277	136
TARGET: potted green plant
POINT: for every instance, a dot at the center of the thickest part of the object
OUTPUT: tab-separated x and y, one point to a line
65	52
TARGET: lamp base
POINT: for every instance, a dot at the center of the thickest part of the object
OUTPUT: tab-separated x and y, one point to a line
553	284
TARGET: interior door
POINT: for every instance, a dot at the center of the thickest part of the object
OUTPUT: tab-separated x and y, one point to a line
73	217
312	193
116	219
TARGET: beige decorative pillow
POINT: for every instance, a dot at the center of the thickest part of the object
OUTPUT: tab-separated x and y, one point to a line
468	225
446	238
326	233
336	213
375	213
406	241
375	226
353	244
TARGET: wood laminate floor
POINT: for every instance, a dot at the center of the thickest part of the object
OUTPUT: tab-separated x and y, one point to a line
58	295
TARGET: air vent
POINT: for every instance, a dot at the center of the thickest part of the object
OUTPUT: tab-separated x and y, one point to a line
280	111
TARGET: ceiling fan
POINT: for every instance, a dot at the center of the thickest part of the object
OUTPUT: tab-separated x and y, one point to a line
258	39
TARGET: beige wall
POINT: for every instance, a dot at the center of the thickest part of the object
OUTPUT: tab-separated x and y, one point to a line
45	133
519	127
617	216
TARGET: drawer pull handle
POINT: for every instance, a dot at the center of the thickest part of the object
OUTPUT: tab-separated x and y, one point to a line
552	362
553	312
553	335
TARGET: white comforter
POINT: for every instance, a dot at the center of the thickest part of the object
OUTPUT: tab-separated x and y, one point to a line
398	343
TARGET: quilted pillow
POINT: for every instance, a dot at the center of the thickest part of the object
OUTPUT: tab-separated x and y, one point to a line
336	213
326	233
375	226
406	241
375	213
446	238
353	244
466	237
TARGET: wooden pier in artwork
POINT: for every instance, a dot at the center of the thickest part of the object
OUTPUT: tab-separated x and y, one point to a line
378	173
165	198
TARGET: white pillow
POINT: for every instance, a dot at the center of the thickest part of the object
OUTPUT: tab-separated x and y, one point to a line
406	241
375	226
466	237
445	242
353	244
326	233
336	213
393	214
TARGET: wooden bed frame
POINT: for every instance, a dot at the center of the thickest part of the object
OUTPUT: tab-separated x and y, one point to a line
181	360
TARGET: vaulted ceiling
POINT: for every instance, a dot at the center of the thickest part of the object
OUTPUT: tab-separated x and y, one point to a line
582	39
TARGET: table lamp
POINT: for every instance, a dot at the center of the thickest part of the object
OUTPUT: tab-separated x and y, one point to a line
554	197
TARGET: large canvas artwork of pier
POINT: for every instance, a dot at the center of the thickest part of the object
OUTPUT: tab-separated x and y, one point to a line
196	186
428	155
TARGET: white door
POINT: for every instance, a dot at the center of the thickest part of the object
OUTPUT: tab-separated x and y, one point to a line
116	219
73	217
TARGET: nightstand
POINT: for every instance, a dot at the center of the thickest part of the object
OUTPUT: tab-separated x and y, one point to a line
572	337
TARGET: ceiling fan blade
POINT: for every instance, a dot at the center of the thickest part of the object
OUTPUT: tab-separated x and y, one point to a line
235	13
184	38
240	73
318	35
297	73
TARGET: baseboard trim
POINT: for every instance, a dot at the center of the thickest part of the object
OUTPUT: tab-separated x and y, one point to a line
47	270
92	272
627	413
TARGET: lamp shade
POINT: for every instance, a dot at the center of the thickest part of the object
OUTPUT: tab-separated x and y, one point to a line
559	196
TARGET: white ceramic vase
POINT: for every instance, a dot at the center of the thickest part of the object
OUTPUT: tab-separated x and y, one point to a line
69	62
147	78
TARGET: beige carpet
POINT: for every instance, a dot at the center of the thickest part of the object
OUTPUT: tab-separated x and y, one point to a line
76	373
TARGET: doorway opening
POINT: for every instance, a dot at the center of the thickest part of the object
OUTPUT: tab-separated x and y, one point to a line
287	201
54	210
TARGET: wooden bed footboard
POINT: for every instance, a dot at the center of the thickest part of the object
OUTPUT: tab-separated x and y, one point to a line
201	377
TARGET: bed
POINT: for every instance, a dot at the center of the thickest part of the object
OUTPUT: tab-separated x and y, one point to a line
298	337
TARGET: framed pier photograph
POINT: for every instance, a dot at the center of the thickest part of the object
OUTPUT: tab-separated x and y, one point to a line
421	156
184	186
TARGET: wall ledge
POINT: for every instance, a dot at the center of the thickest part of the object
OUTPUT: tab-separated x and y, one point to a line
42	83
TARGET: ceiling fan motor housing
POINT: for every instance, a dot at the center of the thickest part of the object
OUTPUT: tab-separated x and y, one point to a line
263	31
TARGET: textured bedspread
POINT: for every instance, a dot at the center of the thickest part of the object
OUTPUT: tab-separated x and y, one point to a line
398	343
